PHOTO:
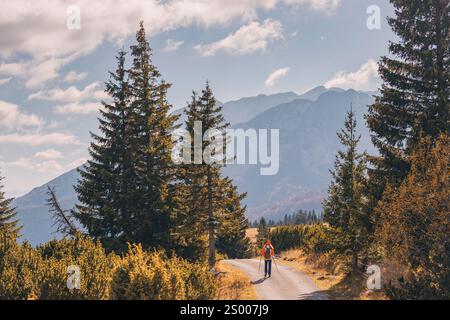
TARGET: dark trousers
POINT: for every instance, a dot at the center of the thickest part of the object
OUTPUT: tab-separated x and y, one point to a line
268	267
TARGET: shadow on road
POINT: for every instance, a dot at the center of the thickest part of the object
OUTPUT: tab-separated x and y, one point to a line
259	281
316	295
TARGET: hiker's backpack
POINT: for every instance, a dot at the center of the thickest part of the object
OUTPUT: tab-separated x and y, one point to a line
267	252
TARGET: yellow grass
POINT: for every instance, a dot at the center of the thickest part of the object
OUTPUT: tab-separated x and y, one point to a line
330	276
251	234
234	284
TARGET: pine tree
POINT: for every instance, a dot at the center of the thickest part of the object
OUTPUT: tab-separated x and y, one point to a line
105	191
344	207
415	93
191	218
7	214
415	224
151	146
212	209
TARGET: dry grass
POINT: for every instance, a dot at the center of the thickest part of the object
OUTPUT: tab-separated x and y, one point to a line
251	234
234	284
330	276
319	270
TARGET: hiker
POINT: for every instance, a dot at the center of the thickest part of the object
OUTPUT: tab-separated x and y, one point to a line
267	253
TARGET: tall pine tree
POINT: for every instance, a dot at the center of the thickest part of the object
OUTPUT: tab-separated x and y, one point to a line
105	191
212	204
415	95
151	147
344	207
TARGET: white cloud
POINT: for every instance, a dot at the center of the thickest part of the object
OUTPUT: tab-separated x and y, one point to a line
38	28
79	108
74	76
3	81
48	154
365	78
30	164
40	139
12	118
249	38
172	45
328	6
275	76
71	94
34	72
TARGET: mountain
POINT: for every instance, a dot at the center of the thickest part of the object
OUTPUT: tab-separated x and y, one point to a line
32	209
308	144
245	109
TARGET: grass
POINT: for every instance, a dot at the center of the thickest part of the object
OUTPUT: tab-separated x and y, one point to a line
234	284
330	276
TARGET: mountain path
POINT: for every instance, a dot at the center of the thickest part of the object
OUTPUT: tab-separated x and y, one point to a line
286	283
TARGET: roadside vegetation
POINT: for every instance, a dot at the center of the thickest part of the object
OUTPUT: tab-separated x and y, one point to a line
233	284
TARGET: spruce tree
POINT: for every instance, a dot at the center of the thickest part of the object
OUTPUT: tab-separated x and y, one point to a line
7	214
191	218
105	189
212	211
344	207
151	147
415	95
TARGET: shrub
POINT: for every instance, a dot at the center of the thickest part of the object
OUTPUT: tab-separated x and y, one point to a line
152	276
20	269
94	265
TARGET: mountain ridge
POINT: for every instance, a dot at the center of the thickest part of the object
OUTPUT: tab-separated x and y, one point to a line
308	144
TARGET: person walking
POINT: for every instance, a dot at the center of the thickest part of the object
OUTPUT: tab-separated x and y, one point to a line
268	253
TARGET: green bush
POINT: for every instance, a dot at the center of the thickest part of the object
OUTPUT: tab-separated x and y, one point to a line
20	269
42	272
152	276
94	265
317	238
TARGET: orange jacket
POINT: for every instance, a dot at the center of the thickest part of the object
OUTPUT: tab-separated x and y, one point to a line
272	250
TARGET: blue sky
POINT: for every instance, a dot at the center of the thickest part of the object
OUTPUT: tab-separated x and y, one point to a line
52	73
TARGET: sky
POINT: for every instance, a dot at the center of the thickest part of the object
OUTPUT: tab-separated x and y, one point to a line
55	56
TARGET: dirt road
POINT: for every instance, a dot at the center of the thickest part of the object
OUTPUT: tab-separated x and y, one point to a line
285	284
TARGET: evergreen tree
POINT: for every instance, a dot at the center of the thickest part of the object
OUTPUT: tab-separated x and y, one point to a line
105	191
415	92
192	216
7	214
151	147
344	207
211	202
415	227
